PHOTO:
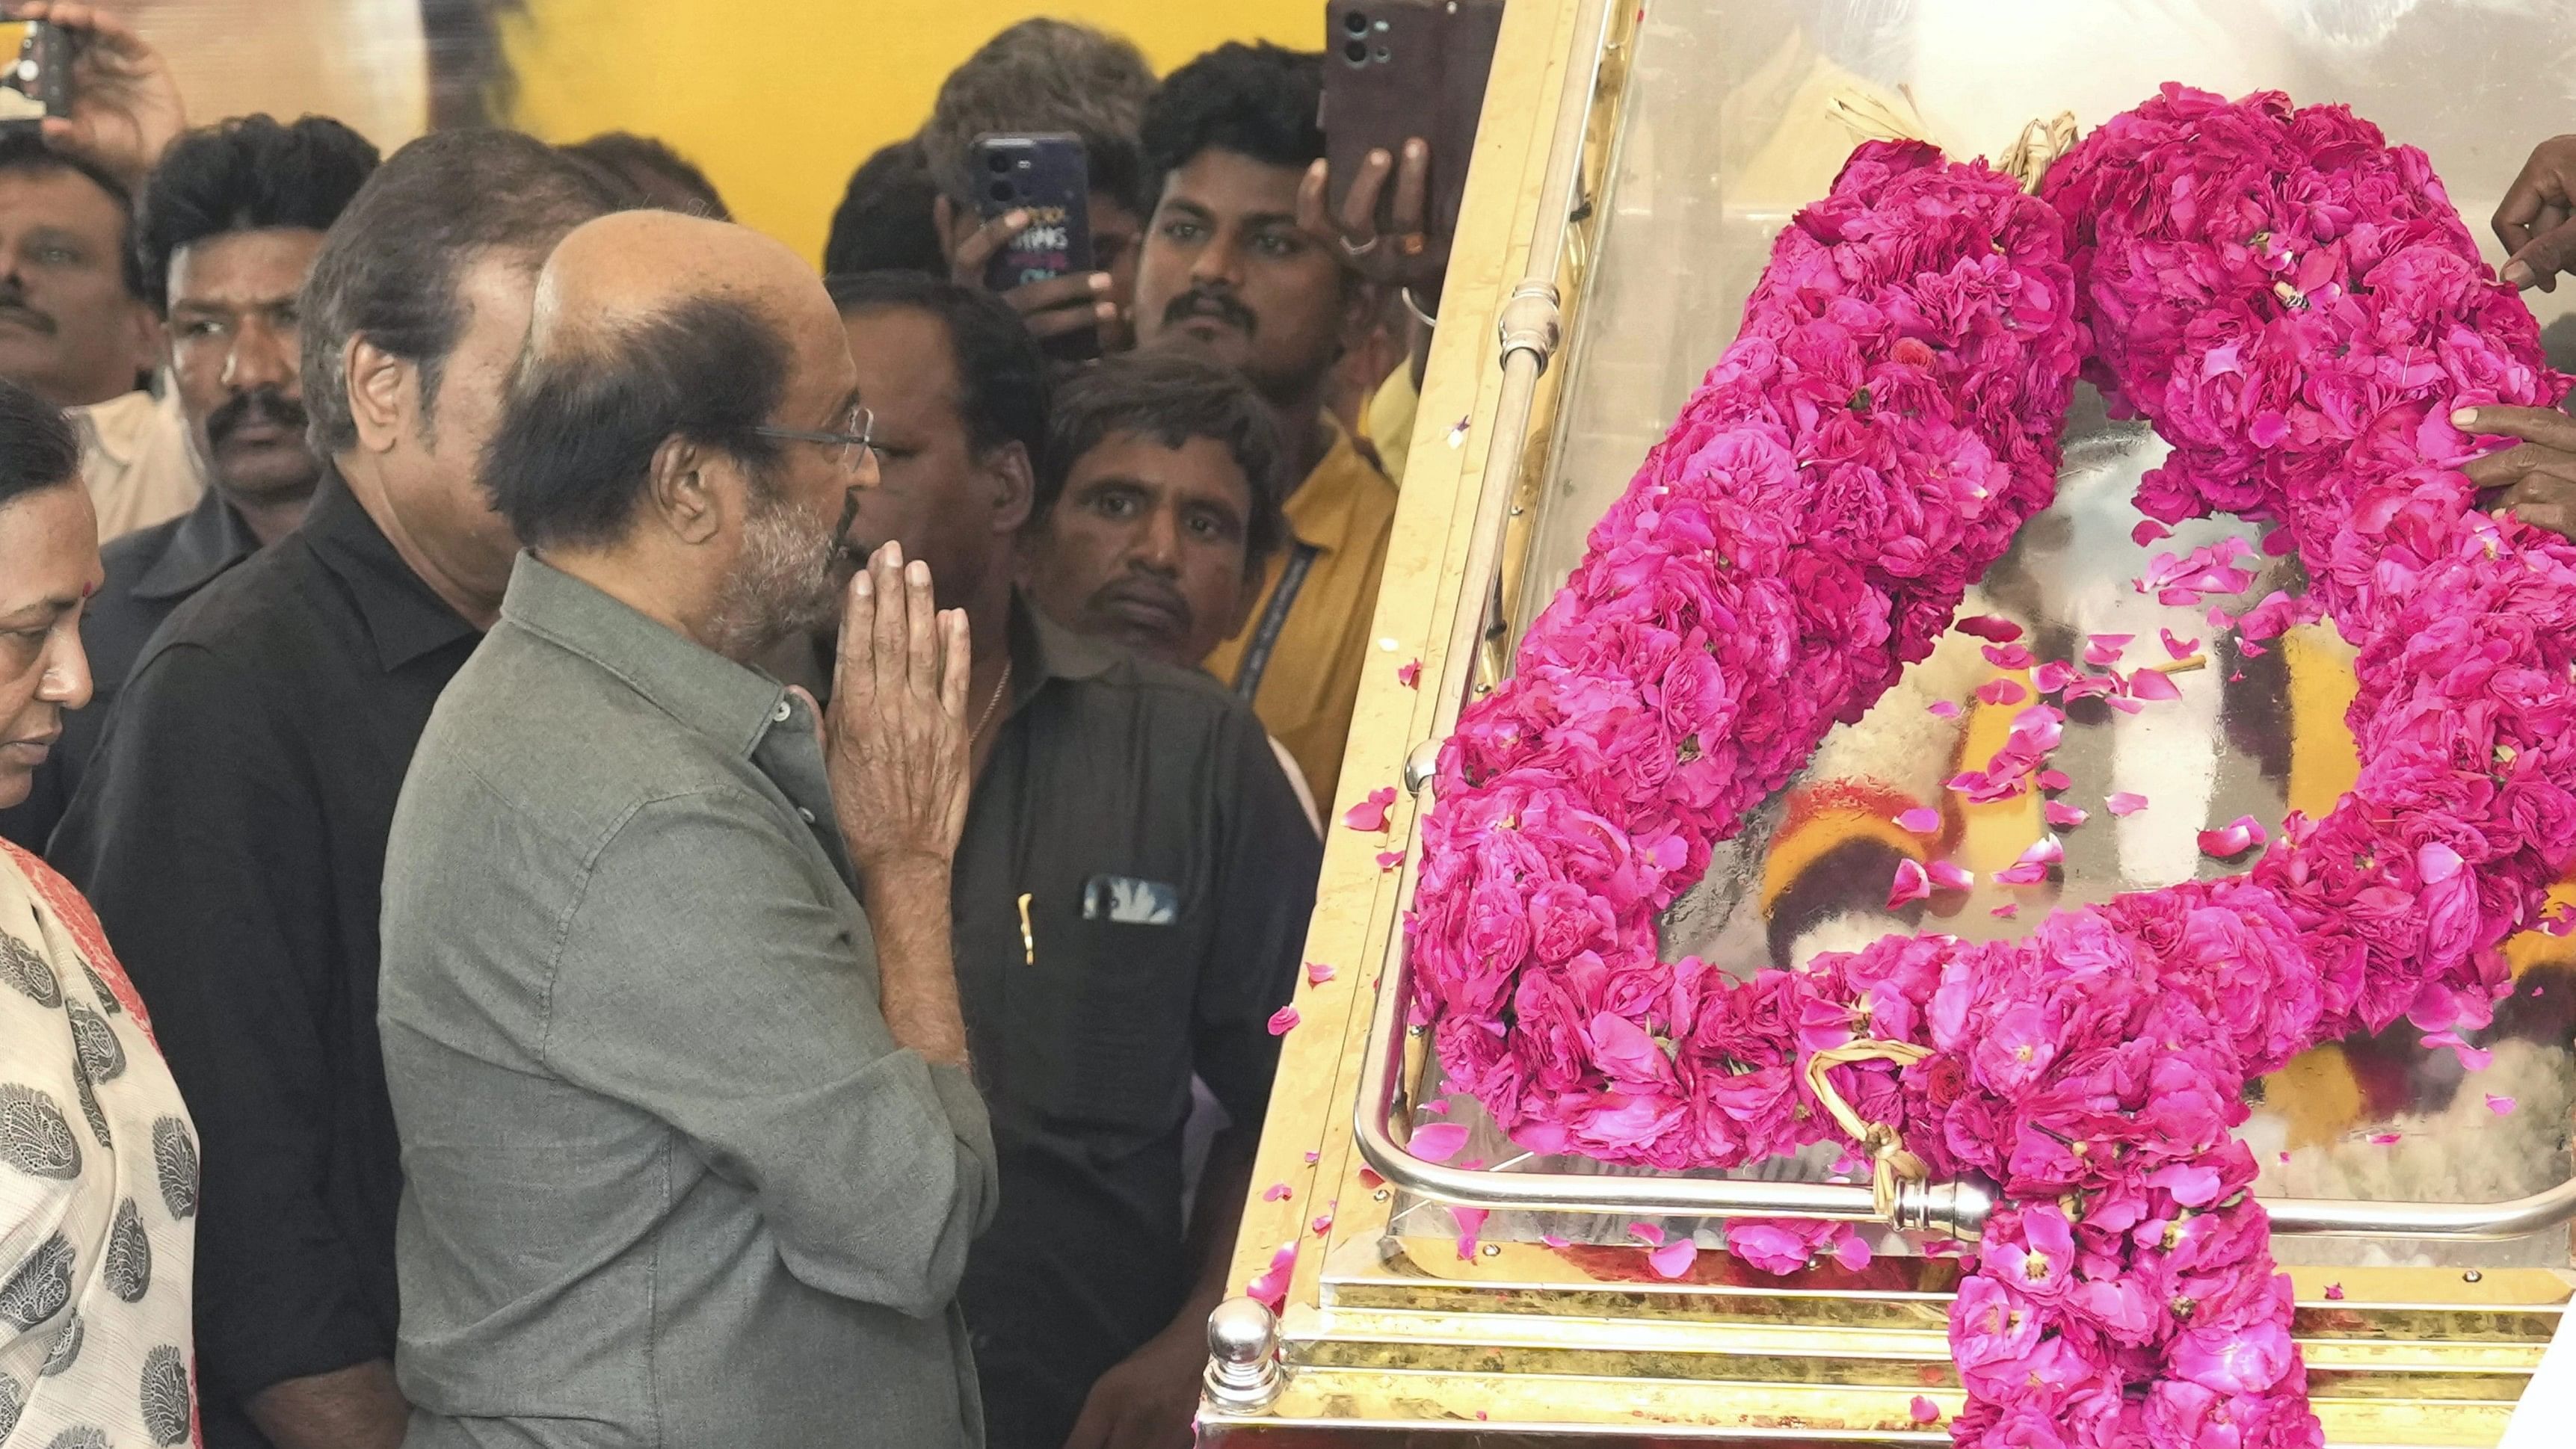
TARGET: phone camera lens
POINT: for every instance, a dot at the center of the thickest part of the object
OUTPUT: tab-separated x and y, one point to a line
1384	55
1356	52
1002	190
997	162
1356	22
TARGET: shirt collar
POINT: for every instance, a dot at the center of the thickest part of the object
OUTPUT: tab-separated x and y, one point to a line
1042	649
693	684
404	616
210	538
1324	494
117	426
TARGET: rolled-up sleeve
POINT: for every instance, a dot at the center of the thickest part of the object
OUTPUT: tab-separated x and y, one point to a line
703	978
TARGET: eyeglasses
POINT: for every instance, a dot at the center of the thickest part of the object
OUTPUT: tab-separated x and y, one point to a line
851	446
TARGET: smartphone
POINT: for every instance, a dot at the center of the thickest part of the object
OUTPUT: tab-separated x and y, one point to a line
1396	69
38	82
1048	175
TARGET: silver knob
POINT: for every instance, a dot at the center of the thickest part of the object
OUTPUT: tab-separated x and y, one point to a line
1420	766
1955	1209
1243	1356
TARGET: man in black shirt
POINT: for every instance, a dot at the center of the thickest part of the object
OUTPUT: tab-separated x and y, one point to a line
226	231
1131	893
232	827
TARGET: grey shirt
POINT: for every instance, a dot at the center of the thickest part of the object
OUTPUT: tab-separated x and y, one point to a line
669	1180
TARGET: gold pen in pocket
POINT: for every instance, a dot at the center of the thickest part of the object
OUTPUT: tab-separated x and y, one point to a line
1028	938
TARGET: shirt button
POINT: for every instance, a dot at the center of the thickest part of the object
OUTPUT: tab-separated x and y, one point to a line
805	815
782	713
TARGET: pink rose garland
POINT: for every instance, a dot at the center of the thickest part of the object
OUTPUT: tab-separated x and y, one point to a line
2297	309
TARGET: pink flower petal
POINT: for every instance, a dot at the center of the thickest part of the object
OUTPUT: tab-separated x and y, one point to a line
1948	877
2054	780
2007	910
2437	862
2002	691
2025	874
1409	674
1912	883
1647	1233
2225	843
1313	1157
2147	532
1271	1287
1283	1021
2178	648
1370	814
1850	1253
2044	851
1553	1241
2334	1292
1942	709
1921	820
2151	684
2125	802
1323	1223
1277	1192
2103	650
2501	1106
1922	1409
1438	1142
2383	1139
1438	1107
2052	676
2062	815
1389	859
2127	706
1317	973
1673	1259
1989	627
2006	656
2220	619
1471	1223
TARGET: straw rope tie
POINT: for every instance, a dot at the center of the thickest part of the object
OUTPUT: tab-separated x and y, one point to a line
1889	1158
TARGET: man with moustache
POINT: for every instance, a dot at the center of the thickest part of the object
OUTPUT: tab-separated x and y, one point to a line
74	325
1130	894
1228	274
231	827
229	224
669	1011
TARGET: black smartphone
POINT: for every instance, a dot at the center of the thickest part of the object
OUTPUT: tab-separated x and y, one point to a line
1047	175
1397	69
38	82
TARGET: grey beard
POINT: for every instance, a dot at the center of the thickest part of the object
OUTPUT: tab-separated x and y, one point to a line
784	583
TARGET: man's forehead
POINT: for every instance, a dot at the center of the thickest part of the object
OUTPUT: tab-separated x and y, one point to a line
1201	466
1229	183
60	196
261	267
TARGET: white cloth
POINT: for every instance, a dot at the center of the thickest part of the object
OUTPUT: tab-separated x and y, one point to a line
98	1188
2549	1405
138	461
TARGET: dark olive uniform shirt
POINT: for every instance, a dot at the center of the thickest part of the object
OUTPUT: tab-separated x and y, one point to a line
1168	873
231	832
149	573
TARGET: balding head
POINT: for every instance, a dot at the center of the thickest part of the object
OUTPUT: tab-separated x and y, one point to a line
648	438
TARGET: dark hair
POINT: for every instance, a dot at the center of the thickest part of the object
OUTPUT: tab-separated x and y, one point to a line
571	458
1045	75
389	268
653	170
245	174
884	221
1171	398
39	448
22	150
1257	100
1001	376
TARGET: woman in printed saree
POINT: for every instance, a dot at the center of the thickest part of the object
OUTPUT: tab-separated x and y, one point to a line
98	1162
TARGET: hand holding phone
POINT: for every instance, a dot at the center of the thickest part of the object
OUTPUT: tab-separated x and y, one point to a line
1407	253
1034	249
122	105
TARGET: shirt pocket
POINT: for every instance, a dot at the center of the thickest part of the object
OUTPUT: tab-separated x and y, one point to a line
1105	1012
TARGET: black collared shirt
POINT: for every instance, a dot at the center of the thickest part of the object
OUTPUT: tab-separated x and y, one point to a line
1168	872
149	572
231	832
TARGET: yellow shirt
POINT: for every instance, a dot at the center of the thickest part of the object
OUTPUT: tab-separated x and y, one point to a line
1388	420
1340	516
137	459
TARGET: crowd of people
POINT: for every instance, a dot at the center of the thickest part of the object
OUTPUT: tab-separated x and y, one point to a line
615	840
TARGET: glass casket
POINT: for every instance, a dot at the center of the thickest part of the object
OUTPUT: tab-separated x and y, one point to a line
1633	165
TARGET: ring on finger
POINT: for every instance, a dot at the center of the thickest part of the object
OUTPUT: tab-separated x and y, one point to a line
1412	244
1357	252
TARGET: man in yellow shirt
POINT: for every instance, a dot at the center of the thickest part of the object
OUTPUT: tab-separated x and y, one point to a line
1228	274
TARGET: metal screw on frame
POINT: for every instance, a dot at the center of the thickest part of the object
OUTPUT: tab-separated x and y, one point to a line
1243	1372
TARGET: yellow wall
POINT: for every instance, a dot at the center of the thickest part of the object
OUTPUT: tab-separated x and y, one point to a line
779	109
